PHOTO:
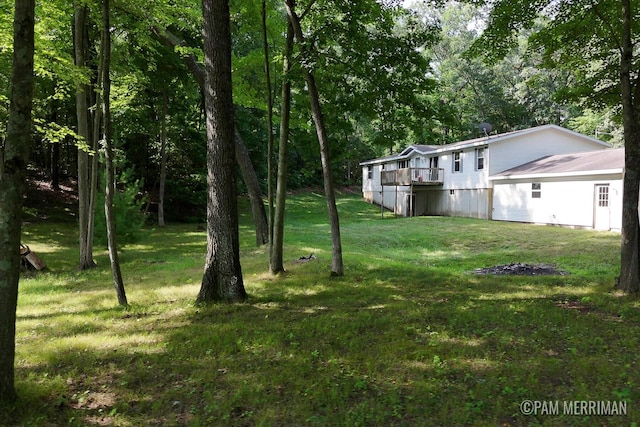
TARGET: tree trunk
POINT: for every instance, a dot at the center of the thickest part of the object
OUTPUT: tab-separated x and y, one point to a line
93	186
337	268
242	154
13	164
55	165
108	143
82	112
163	159
270	142
630	238
222	279
253	188
95	143
276	256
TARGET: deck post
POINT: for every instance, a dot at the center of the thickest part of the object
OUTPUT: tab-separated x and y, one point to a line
410	197
395	203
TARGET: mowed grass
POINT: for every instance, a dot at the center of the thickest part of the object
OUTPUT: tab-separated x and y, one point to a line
409	336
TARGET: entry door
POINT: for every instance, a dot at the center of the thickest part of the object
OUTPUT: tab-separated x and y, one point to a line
601	215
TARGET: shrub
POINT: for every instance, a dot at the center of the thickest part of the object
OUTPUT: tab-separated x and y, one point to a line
128	209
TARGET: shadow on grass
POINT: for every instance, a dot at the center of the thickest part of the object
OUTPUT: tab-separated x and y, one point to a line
349	351
407	337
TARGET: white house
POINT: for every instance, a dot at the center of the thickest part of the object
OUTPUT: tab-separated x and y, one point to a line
580	189
503	177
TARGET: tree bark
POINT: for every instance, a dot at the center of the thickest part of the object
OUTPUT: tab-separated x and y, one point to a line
13	164
82	112
270	139
108	145
253	188
222	279
630	236
337	268
242	154
276	256
163	159
95	145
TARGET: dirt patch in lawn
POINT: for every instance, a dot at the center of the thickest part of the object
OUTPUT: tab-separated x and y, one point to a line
519	269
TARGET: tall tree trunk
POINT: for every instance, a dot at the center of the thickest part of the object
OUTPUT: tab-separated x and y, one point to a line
95	145
276	256
82	112
630	252
242	154
163	158
55	165
270	142
108	143
337	268
253	188
13	164
222	279
93	185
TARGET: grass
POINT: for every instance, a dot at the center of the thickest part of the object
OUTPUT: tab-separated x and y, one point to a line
409	336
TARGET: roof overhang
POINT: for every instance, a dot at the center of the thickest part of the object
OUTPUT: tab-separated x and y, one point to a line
573	174
479	142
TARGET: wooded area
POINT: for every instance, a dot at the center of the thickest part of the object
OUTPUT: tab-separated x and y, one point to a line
163	104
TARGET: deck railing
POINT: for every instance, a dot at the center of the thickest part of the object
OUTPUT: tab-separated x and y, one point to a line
413	176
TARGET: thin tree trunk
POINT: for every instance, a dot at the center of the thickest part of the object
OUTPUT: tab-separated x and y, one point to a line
253	188
93	190
337	268
270	142
630	236
82	112
222	279
276	259
55	166
95	137
242	154
108	143
54	153
163	159
13	164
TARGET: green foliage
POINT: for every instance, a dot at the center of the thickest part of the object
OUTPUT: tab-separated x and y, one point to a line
410	336
128	209
557	32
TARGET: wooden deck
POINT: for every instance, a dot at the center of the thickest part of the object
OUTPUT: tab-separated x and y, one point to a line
413	176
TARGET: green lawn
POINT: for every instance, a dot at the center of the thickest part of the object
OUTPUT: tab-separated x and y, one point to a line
409	336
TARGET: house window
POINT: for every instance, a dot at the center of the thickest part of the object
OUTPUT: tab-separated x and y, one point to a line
457	161
369	172
603	196
479	158
433	162
402	164
536	190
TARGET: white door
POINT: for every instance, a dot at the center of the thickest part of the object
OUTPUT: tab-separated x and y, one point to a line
601	213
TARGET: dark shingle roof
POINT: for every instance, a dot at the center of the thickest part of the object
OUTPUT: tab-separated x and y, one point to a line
590	161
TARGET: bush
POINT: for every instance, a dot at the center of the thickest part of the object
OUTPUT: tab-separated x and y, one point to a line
128	209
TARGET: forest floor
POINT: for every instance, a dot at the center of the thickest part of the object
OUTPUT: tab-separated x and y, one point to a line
44	203
411	335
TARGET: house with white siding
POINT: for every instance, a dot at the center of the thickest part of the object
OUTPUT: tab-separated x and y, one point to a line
579	189
547	174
